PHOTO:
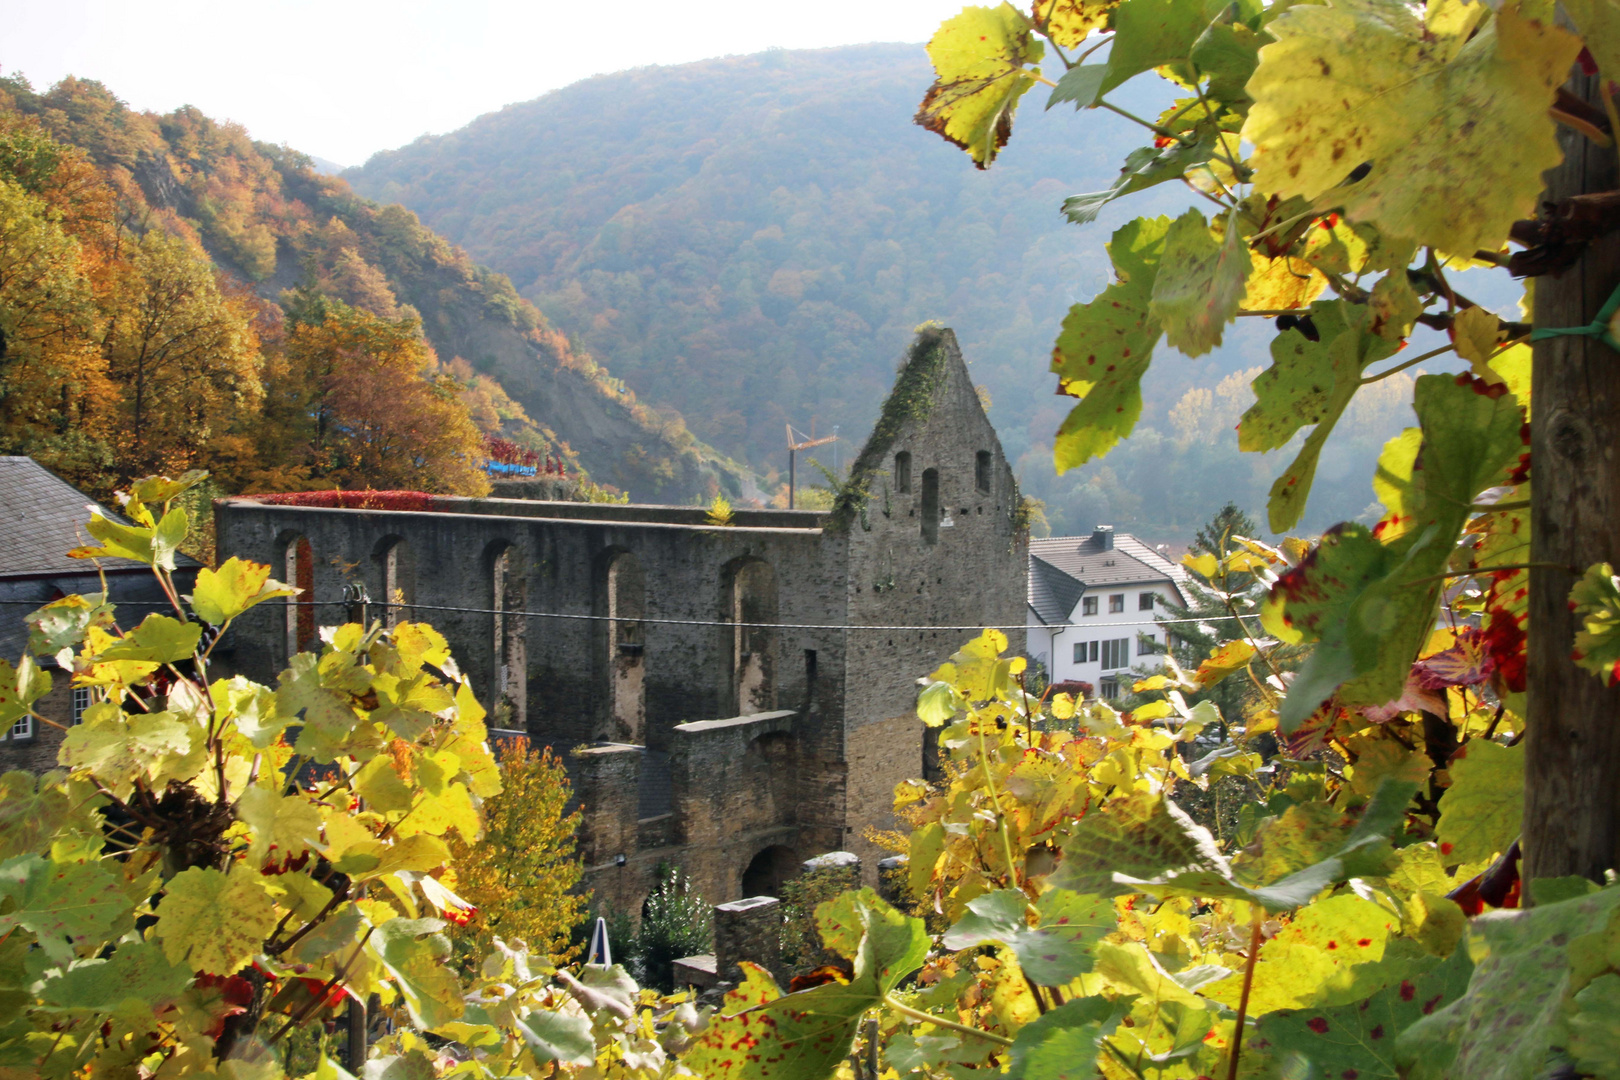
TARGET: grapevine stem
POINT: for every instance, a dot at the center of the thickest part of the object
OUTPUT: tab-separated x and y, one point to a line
1430	355
1267	313
1243	1002
995	801
939	1021
1150	125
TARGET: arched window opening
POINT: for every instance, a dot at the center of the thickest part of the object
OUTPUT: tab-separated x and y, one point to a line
930	506
769	870
299	570
509	696
902	471
626	607
981	471
753	610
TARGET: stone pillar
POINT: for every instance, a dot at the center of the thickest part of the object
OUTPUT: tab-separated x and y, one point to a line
607	782
892	880
833	869
748	929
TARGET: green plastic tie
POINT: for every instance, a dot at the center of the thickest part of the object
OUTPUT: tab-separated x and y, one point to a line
1599	327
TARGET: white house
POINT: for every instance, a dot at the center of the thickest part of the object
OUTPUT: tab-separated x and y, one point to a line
1092	601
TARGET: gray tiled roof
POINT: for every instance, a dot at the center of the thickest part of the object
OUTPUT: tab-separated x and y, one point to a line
42	517
1089	561
1052	593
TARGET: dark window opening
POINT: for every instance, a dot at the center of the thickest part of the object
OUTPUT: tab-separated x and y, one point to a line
1088	605
981	471
300	570
1144	602
1116	603
902	471
930	506
768	871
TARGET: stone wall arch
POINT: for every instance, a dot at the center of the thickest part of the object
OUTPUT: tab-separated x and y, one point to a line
750	607
392	581
506	597
295	562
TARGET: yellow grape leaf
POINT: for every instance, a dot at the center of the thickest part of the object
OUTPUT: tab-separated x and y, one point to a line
288	824
1428	110
1378	757
438	814
380	785
1480	812
1599	24
1199	283
1223	661
979	59
1396	306
1069	22
1281	284
1311	959
1475	332
214	922
119	748
299	893
221	595
1333	246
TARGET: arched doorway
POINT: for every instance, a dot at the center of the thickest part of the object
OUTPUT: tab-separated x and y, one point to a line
769	870
752	610
626	606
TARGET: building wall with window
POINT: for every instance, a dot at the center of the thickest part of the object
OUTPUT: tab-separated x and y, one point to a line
1093	608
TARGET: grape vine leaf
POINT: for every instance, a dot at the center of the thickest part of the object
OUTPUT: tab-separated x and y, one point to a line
1106	346
1359	1039
214	922
63	623
1069	22
136	976
221	595
1199	283
1427	108
1145	167
1594	1036
1309	382
290	824
556	1036
20	687
1480	812
414	953
1595	599
759	1034
65	905
1514	1012
979	61
119	748
1052	952
1064	1043
1154	33
159	638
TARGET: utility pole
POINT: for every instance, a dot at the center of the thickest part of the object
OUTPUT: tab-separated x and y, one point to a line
1572	745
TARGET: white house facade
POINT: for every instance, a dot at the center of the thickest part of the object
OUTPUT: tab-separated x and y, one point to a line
1092	607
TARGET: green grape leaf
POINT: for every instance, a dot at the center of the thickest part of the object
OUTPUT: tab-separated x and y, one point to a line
927	845
1428	108
1309	382
118	541
1395	306
1226	54
1106	345
1595	600
252	707
290	824
66	905
118	748
214	922
555	1036
1081	84
759	1034
1594	1040
62	624
1480	812
159	638
221	595
1370	600
884	943
1599	24
1064	1044
20	687
414	953
1199	284
329	720
1145	167
1513	1014
136	977
1153	33
1359	1038
979	62
168	536
1052	952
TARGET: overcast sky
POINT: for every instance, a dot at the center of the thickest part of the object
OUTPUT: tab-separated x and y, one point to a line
342	79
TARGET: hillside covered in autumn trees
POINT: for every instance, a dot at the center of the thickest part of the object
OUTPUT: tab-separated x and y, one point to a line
174	295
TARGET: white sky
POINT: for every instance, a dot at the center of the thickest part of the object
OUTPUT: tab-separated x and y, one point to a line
341	79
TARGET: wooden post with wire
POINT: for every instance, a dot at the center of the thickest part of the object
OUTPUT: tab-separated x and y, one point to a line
793	451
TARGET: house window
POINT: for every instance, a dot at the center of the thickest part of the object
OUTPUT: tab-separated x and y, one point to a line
81	702
1108	689
1079	652
1116	603
1088	605
981	471
1144	602
23	728
1147	645
902	471
1116	653
1094	652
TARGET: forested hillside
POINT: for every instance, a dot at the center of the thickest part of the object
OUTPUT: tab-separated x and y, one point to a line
313	287
752	240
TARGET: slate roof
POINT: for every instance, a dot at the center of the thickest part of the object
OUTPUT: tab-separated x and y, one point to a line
1062	568
42	516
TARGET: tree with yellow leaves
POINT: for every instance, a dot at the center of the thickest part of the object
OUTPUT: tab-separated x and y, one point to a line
521	875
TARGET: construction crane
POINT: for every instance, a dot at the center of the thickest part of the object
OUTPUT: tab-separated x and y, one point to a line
795	447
